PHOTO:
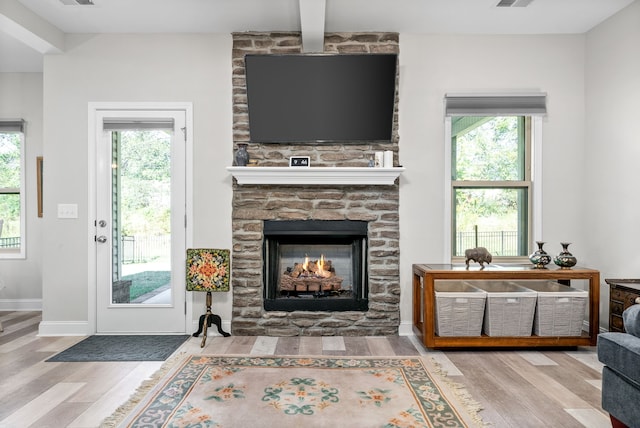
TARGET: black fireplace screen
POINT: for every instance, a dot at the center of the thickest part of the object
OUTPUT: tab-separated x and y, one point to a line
315	265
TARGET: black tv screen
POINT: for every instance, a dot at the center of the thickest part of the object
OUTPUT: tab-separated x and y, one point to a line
320	98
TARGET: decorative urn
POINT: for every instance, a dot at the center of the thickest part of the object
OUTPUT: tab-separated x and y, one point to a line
540	258
241	157
565	259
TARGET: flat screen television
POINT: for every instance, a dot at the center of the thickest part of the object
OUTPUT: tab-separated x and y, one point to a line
346	98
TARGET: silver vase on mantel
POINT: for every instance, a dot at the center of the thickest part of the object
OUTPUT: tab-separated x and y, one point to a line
241	156
540	258
565	259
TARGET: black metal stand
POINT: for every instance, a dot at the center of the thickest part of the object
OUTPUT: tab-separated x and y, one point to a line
206	320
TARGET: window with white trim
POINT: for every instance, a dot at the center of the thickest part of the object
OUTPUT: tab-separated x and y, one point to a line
491	180
12	198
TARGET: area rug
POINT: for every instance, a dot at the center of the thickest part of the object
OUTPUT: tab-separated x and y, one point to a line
246	391
122	348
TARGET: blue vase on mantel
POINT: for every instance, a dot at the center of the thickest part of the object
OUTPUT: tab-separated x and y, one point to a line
540	258
241	157
565	259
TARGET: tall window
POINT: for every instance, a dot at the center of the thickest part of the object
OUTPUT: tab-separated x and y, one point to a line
12	206
491	174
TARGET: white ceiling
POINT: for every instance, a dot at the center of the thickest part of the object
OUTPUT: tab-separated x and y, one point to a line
31	28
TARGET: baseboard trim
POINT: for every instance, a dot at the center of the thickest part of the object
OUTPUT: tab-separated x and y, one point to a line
20	304
81	328
406	328
63	328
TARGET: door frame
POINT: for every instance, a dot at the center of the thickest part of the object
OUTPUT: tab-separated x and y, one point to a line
94	132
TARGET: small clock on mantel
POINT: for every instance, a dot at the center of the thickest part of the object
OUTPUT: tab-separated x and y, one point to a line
299	161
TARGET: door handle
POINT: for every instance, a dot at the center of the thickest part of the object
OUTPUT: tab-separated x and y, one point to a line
101	239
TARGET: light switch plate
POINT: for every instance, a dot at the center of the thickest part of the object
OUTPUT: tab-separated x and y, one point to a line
67	210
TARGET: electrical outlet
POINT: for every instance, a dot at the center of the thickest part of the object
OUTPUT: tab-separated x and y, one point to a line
67	210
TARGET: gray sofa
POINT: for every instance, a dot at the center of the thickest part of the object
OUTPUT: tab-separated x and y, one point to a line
620	354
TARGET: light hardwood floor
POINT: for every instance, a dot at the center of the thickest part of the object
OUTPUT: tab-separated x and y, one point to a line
516	388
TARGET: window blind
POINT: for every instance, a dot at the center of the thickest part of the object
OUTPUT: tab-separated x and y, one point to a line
496	105
137	124
12	125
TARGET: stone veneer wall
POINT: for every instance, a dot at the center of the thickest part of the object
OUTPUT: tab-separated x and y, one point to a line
252	204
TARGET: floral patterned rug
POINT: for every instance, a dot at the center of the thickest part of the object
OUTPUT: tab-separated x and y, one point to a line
245	391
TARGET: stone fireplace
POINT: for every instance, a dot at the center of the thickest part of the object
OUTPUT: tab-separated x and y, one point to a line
260	209
315	265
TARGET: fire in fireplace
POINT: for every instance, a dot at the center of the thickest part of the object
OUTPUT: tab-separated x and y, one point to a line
315	265
312	276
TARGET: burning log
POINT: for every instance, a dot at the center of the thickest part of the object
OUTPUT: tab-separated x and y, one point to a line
288	283
314	276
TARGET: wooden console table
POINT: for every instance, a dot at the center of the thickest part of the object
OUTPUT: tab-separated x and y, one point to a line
424	276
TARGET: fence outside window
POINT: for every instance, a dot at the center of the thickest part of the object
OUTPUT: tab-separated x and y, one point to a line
144	248
10	242
501	243
140	249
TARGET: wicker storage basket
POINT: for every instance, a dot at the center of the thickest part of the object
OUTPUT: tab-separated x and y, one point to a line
509	309
459	308
560	309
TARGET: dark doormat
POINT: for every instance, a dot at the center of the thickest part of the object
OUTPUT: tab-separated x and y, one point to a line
122	348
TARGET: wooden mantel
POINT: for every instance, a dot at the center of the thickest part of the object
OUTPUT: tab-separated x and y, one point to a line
315	175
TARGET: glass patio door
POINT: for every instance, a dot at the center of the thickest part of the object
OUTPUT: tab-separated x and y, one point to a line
140	225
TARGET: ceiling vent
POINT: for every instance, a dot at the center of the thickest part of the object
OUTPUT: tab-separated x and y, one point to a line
77	2
513	3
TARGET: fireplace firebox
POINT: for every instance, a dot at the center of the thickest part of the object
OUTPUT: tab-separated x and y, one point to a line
315	265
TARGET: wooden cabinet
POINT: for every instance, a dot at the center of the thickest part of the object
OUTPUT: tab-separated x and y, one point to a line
622	294
424	276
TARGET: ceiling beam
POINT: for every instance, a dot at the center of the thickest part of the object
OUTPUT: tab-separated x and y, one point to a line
22	24
312	17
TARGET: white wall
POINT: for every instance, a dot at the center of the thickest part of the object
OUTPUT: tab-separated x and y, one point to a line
130	68
432	65
21	97
581	193
611	171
